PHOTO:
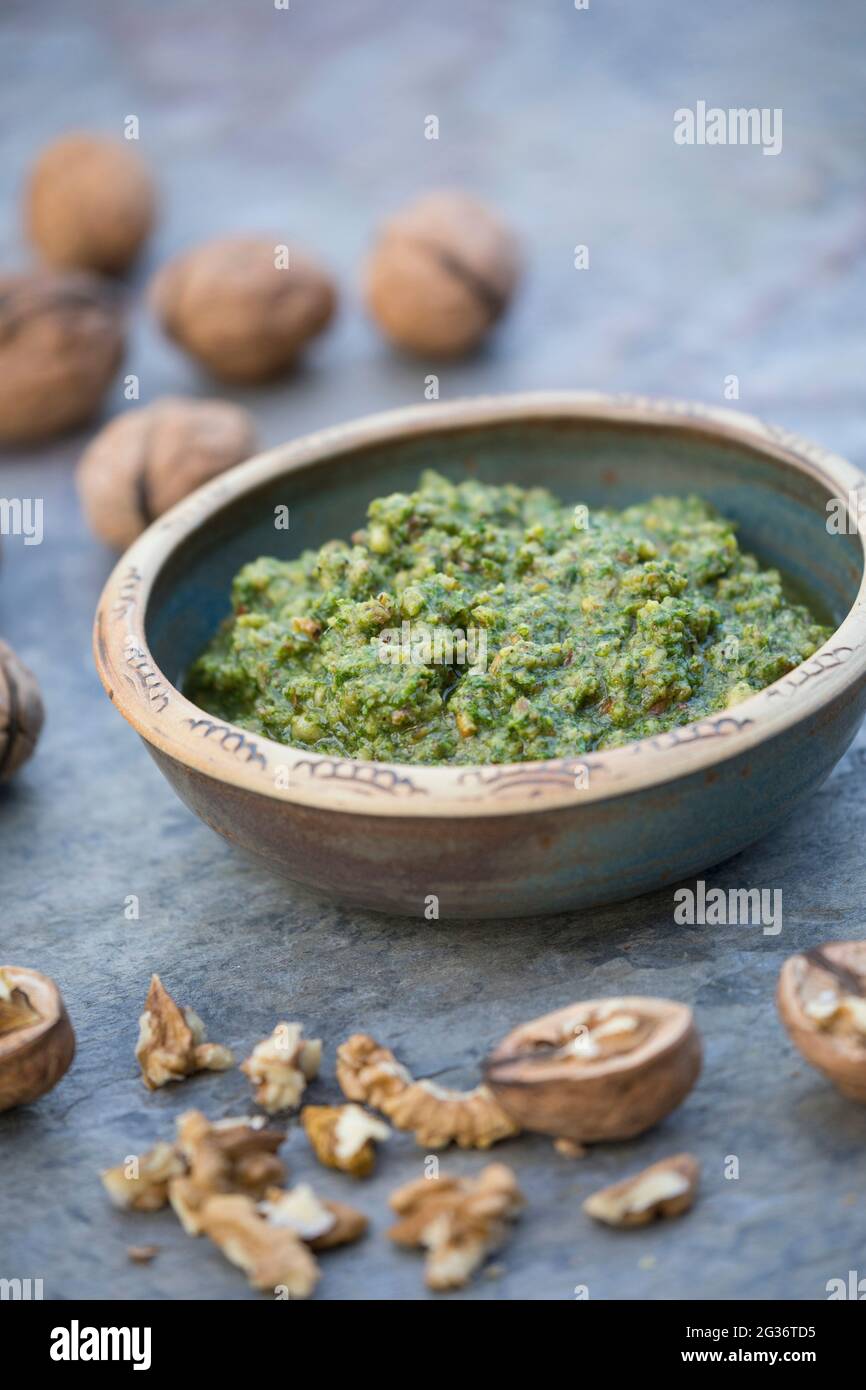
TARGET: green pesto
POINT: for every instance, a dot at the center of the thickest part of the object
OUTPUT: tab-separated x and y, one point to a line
599	629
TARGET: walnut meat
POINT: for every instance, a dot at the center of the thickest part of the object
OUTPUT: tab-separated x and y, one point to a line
321	1225
61	342
459	1221
662	1191
141	1184
442	272
226	1156
21	712
344	1136
90	203
234	306
436	1115
272	1257
280	1067
171	1041
146	460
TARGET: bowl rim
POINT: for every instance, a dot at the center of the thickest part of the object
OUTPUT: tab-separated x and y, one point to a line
172	725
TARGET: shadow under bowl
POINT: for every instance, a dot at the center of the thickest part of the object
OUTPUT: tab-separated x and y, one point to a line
518	839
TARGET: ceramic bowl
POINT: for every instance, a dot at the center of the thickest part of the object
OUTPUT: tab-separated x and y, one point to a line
519	839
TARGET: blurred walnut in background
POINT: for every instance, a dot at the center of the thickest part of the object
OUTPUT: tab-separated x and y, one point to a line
144	461
441	273
90	203
21	712
61	342
245	306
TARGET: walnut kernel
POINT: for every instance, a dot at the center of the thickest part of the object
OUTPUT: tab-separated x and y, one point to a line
459	1221
344	1136
171	1041
280	1067
664	1190
436	1115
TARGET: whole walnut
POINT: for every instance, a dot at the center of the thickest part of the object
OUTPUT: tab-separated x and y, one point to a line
232	304
61	342
441	273
21	712
145	460
89	203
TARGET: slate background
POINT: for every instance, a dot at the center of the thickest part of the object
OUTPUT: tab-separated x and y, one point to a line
703	262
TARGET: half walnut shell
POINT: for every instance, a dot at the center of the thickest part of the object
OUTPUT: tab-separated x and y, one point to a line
821	997
37	1043
597	1070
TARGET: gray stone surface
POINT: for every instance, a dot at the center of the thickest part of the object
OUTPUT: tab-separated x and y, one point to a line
703	262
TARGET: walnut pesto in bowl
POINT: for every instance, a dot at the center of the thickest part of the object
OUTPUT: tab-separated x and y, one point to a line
468	623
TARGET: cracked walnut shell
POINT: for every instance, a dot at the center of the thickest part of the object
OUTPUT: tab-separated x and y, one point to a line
90	203
37	1043
597	1070
171	1041
280	1067
144	461
22	713
344	1136
821	998
436	1115
61	342
441	273
663	1190
232	304
459	1221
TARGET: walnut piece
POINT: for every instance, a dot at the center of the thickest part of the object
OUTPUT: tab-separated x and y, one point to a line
171	1041
441	273
16	1011
21	712
61	342
141	1254
232	304
436	1115
663	1190
280	1067
344	1136
322	1225
273	1257
459	1221
146	460
141	1184
90	203
227	1156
